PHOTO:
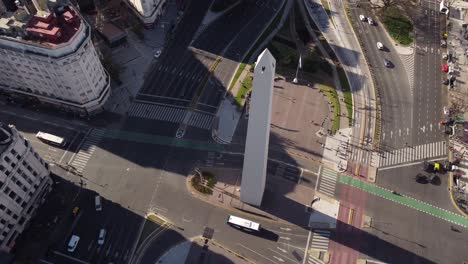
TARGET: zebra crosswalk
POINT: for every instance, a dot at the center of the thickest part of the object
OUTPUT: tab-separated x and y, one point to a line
171	114
87	149
320	239
327	183
412	153
312	260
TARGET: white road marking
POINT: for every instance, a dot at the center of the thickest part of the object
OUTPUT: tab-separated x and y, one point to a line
257	253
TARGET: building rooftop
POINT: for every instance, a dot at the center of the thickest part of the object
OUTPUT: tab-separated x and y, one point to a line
49	28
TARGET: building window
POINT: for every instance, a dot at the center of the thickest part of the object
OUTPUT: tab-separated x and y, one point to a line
13	151
21	221
7	159
2	207
12	195
15	216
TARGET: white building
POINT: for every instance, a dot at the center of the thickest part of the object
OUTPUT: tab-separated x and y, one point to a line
148	11
258	130
49	57
24	181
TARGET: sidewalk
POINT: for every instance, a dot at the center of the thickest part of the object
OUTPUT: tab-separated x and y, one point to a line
458	103
136	58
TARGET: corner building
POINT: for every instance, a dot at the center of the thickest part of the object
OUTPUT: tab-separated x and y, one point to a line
148	11
24	182
46	55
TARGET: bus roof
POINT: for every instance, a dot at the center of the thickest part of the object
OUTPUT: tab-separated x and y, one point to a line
243	222
50	137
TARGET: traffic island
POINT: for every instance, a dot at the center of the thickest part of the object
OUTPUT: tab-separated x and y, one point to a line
284	200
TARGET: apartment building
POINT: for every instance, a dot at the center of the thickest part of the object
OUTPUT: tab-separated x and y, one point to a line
47	56
148	11
24	182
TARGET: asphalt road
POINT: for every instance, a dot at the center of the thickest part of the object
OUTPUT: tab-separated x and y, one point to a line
392	82
403	180
400	234
183	67
429	92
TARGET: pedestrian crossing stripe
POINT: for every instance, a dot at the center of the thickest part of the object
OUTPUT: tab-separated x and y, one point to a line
320	239
413	153
87	149
171	114
327	183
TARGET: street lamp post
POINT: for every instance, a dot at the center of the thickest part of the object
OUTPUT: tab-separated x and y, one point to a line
299	65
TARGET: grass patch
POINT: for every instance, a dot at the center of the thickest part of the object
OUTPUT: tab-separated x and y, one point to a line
203	182
327	9
398	25
244	89
285	56
348	99
152	223
240	69
332	95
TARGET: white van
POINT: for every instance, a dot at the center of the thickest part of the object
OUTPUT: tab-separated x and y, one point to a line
98	203
73	243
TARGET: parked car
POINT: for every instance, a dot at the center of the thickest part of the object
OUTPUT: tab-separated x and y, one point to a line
445	67
98	203
443	43
446	110
73	243
370	21
362	18
157	54
387	63
380	46
101	237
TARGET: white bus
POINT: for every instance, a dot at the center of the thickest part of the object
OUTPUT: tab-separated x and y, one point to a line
52	139
243	224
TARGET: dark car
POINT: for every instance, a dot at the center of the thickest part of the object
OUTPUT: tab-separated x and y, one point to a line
387	63
425	179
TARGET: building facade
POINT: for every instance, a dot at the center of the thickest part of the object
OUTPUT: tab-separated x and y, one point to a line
24	182
148	11
49	57
258	130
